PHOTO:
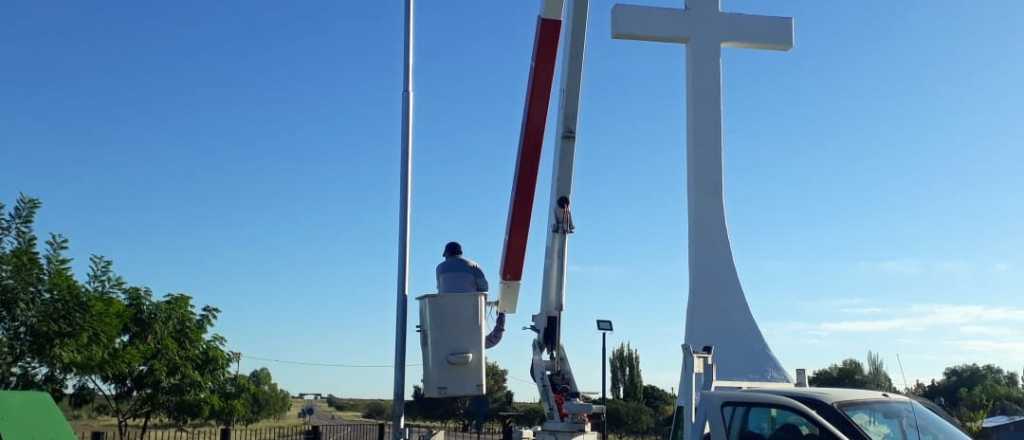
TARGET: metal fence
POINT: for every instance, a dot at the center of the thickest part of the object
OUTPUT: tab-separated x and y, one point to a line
346	431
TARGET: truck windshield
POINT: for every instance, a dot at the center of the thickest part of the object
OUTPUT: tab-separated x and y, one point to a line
899	420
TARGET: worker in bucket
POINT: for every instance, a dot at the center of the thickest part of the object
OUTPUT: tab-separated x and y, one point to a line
457	274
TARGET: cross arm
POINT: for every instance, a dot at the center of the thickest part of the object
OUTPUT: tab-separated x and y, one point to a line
757	31
635	22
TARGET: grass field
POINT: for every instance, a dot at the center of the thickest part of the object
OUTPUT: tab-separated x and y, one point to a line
81	421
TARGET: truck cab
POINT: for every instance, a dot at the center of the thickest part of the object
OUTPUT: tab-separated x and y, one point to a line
820	414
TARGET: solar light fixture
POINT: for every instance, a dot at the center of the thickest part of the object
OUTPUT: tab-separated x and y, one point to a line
604	326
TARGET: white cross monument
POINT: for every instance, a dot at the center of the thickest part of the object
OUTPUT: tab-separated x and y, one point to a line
717	313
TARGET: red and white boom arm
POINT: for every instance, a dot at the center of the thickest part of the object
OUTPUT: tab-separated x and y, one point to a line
550	369
531	140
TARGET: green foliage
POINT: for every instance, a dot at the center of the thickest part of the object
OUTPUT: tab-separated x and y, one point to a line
662	405
658	400
530	414
627	381
850	373
627	417
969	392
344	405
120	351
435	409
268	400
241	399
35	288
972	392
156	359
877	378
337	403
636	408
498	396
377	411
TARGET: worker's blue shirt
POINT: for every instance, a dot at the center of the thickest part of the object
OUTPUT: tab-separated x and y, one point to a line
460	275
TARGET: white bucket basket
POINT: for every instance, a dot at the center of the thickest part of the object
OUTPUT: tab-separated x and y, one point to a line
452	341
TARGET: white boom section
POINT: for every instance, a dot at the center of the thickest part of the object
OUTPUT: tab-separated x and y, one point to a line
559	219
566	414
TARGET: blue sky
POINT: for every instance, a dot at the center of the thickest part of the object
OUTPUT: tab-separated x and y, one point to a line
246	153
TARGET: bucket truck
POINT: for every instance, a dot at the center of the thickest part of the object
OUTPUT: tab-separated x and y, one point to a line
451	325
567	416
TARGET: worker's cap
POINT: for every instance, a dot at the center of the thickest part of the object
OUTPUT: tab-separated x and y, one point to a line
452	249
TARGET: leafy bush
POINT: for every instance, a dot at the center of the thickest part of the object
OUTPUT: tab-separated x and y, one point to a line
850	373
377	411
629	417
339	404
531	414
462	409
242	399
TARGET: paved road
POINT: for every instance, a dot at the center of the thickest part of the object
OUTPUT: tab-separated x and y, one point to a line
334	428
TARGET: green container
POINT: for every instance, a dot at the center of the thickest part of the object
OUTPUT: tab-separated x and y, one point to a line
32	415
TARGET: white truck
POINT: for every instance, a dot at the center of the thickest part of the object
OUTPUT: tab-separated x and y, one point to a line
710	409
820	414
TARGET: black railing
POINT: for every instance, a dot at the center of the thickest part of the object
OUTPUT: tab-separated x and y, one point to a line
346	431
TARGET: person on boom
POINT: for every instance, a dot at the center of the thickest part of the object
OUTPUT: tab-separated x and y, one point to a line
457	274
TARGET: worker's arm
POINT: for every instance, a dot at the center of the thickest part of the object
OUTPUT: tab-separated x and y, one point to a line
481	280
437	275
494	337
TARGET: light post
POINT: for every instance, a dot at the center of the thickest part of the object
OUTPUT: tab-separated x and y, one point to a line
604	326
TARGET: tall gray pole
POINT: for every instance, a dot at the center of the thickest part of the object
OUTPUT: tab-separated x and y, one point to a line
402	303
604	386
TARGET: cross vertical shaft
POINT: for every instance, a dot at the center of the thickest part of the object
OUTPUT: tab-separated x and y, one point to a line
717	311
709	253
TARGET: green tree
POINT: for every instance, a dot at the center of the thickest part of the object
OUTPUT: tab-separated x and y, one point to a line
156	359
21	278
876	377
232	404
972	392
268	399
661	402
530	414
497	386
246	399
662	405
498	398
850	373
626	379
122	352
617	371
628	417
34	289
377	411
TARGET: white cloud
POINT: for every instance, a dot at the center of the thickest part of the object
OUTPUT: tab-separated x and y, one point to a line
596	269
880	325
862	310
989	346
919	267
967	318
986	330
900	266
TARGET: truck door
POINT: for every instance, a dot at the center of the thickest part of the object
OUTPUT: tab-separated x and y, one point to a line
752	416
